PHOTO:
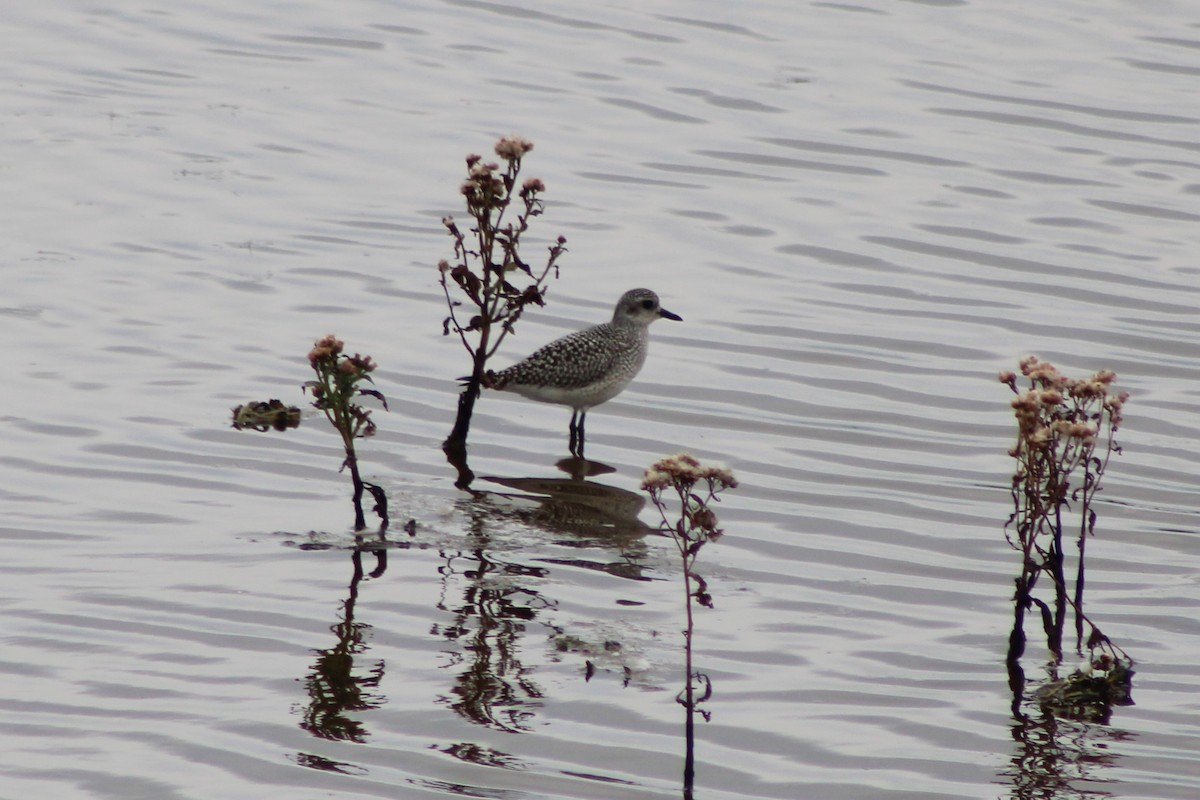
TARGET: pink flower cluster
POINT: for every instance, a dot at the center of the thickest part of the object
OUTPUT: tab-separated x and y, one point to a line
683	469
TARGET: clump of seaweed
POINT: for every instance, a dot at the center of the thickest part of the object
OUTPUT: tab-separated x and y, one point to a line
1066	434
682	482
264	415
1090	692
487	272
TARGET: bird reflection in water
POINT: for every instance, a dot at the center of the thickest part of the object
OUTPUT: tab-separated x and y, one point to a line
580	513
497	596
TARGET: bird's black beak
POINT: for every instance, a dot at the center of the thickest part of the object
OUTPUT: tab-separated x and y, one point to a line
662	312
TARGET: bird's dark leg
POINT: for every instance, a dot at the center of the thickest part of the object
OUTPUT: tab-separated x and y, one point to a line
574	438
582	417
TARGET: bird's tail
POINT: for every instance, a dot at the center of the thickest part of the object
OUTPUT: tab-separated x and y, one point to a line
491	380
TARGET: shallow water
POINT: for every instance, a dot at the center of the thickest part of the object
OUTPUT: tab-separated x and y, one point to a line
861	210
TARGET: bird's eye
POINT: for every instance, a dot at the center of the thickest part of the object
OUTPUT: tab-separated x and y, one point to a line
647	304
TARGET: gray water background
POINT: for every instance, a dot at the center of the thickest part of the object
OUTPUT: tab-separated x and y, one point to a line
863	211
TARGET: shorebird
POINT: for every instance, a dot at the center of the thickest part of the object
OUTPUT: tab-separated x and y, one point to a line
588	367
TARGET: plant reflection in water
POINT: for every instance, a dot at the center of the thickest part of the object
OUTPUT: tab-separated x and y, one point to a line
335	688
497	599
493	599
492	687
1060	759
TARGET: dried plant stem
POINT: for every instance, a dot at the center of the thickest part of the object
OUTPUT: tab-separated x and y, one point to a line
334	392
486	259
694	486
1059	421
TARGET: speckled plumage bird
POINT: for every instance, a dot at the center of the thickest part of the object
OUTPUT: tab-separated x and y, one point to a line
588	367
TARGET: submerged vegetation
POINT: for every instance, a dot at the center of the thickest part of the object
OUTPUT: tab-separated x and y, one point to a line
492	284
1066	434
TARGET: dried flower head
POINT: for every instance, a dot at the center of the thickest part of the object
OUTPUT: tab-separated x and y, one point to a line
324	348
1050	397
364	363
684	469
655	480
330	341
531	187
511	148
1027	402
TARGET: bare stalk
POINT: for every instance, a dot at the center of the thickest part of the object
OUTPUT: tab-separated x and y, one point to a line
1059	425
694	486
334	391
485	270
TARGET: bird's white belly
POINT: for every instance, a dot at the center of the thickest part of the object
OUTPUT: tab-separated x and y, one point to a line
581	398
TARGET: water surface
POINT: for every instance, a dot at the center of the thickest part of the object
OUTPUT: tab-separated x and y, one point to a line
862	211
